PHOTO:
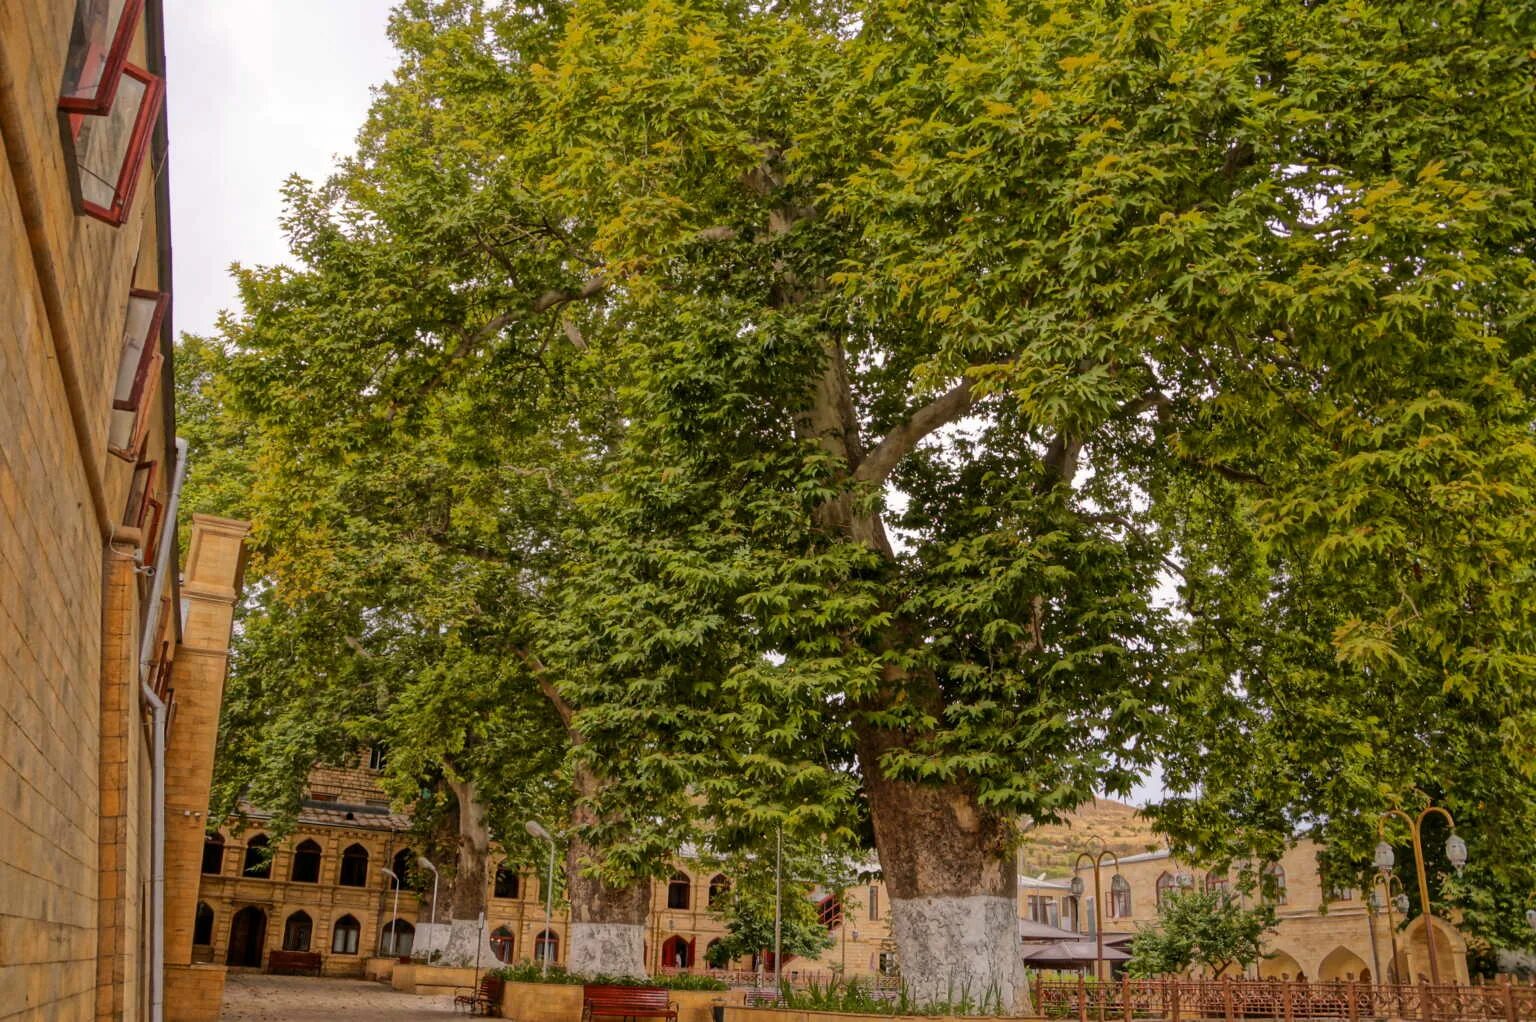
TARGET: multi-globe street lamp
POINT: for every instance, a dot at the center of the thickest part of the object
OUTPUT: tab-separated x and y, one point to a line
1097	859
1455	851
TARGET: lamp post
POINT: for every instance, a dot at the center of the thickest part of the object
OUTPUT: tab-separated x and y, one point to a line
1384	899
536	830
425	863
1097	859
393	942
778	905
1455	851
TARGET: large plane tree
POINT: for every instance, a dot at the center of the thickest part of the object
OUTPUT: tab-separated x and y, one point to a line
996	398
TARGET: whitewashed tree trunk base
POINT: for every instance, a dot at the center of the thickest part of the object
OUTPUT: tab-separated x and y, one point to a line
468	941
608	949
960	949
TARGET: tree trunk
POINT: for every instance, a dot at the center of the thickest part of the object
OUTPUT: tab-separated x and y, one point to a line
608	924
947	862
468	941
953	889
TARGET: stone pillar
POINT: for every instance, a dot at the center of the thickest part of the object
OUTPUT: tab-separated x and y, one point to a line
210	589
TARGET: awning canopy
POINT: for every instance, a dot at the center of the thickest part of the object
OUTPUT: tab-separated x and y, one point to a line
1070	954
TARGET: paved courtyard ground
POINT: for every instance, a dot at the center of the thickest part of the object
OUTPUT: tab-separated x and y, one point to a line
253	997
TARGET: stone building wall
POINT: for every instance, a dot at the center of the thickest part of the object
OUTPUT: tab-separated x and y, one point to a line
75	765
1321	934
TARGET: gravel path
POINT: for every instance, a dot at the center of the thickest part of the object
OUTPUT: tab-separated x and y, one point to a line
255	997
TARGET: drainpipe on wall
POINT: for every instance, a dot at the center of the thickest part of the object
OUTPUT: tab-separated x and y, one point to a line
159	709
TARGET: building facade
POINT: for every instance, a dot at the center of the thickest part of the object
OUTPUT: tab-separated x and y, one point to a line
92	627
1321	933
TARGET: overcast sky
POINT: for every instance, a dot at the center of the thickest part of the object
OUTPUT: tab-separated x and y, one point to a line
256	90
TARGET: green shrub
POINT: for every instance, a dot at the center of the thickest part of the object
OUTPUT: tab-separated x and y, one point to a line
530	972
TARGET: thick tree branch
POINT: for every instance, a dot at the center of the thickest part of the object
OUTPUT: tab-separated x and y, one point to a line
901	441
590	288
541	676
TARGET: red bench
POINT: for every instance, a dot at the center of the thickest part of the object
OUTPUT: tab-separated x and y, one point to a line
625	1002
484	1001
293	961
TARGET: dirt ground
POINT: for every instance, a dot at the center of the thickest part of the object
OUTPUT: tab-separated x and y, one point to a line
254	997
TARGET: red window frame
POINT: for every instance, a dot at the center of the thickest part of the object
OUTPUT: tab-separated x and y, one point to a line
112	70
140	494
151	334
133	154
146	378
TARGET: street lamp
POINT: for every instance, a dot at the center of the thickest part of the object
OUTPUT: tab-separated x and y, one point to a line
1097	859
1384	899
537	831
1455	851
425	863
393	935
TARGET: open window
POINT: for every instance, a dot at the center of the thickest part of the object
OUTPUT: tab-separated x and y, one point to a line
137	511
138	373
109	148
98	50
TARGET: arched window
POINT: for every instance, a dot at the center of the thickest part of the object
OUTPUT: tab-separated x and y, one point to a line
399	937
202	925
501	944
354	867
306	863
678	890
719	887
1217	882
712	955
296	932
677	953
344	936
1166	886
1119	898
546	948
213	854
258	863
506	882
400	865
1272	885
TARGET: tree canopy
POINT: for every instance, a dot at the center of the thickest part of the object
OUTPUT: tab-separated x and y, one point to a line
930	415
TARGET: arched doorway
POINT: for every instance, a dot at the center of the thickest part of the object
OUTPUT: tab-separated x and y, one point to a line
1279	965
676	953
1450	952
1342	963
247	938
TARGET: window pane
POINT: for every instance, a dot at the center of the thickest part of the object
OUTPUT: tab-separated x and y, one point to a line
90	46
101	143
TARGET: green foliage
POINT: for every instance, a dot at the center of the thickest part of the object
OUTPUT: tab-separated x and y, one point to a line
747	907
1209	929
530	972
998	398
859	997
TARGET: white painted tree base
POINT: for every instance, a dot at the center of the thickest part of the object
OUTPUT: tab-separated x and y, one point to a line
608	949
468	942
956	949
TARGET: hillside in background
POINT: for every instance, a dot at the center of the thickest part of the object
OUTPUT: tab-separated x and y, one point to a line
1052	848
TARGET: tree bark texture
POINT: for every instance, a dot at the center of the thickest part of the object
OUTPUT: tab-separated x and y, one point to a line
608	924
468	941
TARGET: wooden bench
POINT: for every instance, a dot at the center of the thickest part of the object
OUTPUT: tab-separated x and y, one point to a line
625	1002
293	961
484	1001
